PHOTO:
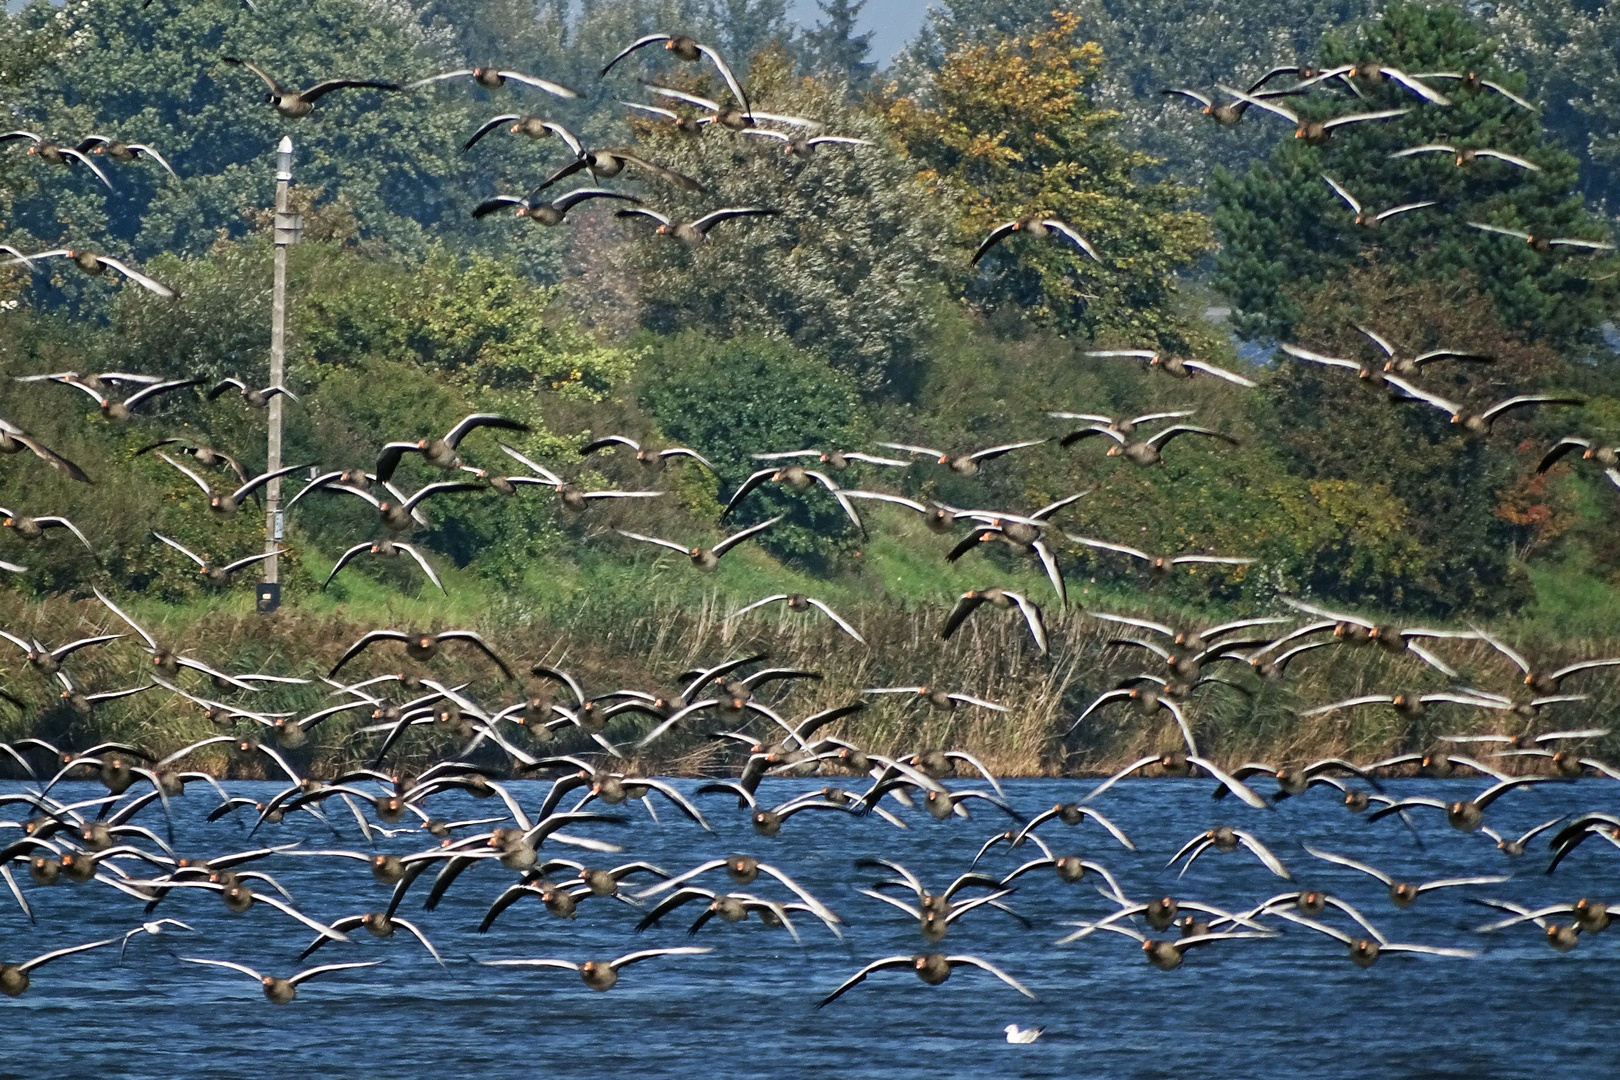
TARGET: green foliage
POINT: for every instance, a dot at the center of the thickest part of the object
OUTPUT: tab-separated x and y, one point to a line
728	400
1285	234
1155	44
154	74
1570	53
1011	127
379	350
1455	491
475	319
844	269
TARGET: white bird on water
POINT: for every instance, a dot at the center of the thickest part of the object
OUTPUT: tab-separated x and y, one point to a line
1016	1034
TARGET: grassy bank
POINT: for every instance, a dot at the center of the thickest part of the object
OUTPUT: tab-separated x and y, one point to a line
618	616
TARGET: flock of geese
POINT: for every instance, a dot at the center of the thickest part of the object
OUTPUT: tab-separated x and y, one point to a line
502	728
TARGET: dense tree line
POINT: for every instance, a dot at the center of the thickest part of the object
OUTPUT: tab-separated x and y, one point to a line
854	314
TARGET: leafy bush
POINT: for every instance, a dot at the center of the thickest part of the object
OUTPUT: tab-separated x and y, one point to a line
730	399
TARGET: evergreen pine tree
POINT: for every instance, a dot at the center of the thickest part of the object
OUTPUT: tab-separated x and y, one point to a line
1286	234
834	49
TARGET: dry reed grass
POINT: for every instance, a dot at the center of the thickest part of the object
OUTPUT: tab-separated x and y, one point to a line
647	646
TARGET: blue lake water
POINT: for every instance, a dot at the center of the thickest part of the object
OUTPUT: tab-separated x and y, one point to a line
1284	1008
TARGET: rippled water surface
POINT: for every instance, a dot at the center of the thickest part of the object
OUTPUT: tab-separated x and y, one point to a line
1289	1007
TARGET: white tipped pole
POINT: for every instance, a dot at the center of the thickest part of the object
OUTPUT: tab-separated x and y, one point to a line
288	226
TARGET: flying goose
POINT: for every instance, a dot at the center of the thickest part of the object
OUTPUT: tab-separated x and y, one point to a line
1021	528
837	460
1403	894
534	127
1230	114
492	78
1538	242
1478	422
295	103
1178	763
1016	535
379	924
216	573
654	460
935	914
689	49
1606	456
729	907
1472	81
606	164
387	548
94	264
800	602
936	698
1038	228
573	500
1150	702
32	528
1408	704
1374	72
120	411
802	145
420	647
49	661
696	232
706	559
794	476
53	154
13	441
742	869
226	505
1168	955
937	517
1561	936
14	977
686	125
1540	680
1123	425
1367	220
281	991
1144	451
970	601
1513	849
1159	565
1179	367
1467	155
1358	630
1364	951
726	116
1464	815
126	153
965	464
1196	640
441	453
601	975
1314	132
253	397
931	968
537	210
399	513
202	453
1225	839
